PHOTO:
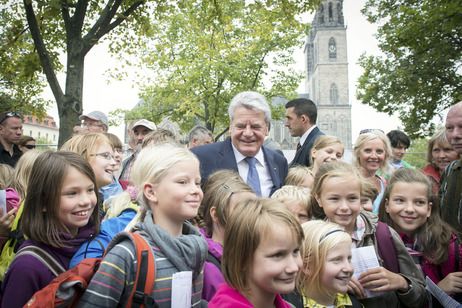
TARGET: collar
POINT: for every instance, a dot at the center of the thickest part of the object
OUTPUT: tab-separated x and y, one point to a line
240	157
341	300
358	233
305	135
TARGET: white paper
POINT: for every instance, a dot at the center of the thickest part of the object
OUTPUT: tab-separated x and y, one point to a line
364	259
445	300
181	289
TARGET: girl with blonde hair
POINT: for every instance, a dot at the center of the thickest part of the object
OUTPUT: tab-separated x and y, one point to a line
325	149
168	182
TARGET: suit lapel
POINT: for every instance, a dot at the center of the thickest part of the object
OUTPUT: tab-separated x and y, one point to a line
227	160
273	169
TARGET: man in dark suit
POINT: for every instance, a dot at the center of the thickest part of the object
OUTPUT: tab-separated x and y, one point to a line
301	114
263	169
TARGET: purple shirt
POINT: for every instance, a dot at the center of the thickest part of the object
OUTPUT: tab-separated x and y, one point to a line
212	274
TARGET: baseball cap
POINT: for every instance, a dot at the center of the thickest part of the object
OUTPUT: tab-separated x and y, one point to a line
145	123
96	115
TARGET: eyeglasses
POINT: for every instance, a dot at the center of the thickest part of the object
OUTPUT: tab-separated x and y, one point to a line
29	146
370	130
106	155
91	125
9	115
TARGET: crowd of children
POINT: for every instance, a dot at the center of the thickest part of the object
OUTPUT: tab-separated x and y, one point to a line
219	245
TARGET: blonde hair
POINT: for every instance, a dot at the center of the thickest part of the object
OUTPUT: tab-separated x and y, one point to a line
440	139
290	192
320	238
218	191
362	139
297	175
323	142
150	166
325	172
21	174
6	172
83	144
250	221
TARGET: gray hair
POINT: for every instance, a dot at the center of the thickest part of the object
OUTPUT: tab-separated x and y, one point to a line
199	132
251	100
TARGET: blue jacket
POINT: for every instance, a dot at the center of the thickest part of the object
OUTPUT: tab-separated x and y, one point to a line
109	228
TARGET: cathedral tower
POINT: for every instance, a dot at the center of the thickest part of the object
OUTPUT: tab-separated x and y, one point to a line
327	70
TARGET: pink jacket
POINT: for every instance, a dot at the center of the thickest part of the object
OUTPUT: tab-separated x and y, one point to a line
227	297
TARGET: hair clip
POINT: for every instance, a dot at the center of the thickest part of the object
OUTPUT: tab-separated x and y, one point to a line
228	189
330	232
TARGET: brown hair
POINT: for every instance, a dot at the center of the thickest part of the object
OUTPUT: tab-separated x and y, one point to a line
25	139
250	221
116	143
40	220
369	190
218	191
157	136
434	235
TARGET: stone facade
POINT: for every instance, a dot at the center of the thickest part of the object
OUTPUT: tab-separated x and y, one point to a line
326	64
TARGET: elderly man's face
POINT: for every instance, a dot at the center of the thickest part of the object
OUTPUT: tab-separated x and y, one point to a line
454	128
93	126
248	130
139	133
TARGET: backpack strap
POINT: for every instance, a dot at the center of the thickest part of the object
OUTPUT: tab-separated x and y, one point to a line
88	244
214	260
386	247
146	270
43	257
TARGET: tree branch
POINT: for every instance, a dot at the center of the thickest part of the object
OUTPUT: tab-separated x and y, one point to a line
43	53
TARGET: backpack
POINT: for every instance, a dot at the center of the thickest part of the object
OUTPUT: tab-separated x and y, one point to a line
15	240
386	247
68	287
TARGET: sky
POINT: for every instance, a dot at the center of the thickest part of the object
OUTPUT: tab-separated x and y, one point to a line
100	93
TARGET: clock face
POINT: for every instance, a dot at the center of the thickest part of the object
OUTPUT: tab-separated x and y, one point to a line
332	48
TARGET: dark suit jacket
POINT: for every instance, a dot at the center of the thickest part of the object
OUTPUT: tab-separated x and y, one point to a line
220	155
302	157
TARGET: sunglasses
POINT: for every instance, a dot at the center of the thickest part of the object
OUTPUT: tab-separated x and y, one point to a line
29	146
370	130
9	115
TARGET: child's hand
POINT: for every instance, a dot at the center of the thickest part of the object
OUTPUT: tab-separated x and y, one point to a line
452	283
6	222
355	288
380	279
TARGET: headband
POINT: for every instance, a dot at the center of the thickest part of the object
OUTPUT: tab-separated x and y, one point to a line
330	232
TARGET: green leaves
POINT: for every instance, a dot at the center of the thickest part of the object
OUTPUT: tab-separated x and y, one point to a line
420	74
203	53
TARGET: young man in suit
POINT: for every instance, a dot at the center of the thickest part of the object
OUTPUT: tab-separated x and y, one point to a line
263	169
301	114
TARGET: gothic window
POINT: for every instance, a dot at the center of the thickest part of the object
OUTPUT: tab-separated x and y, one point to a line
331	19
333	94
339	12
321	14
332	49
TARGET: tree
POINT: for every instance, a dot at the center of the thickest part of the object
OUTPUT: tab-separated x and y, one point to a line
20	80
207	51
73	27
419	76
